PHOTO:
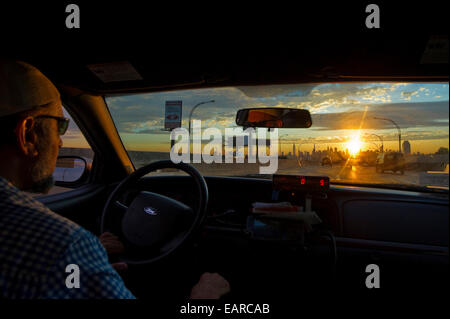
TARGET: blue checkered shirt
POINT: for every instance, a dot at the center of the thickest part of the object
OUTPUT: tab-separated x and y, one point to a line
36	246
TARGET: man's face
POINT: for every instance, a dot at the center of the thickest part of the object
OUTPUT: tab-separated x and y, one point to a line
48	144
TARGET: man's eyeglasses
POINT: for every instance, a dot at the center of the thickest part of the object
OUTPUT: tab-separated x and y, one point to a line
63	122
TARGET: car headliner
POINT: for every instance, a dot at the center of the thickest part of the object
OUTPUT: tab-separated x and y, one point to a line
242	47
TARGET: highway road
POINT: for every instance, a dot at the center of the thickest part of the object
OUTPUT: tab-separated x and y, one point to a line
356	174
352	174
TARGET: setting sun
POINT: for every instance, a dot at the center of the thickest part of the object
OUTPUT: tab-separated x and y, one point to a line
354	145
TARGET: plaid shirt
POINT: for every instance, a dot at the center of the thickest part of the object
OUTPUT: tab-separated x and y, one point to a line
36	246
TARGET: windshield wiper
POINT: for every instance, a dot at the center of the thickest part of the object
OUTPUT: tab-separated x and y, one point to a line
407	187
256	175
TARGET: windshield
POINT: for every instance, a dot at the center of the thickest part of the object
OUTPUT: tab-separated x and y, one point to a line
361	133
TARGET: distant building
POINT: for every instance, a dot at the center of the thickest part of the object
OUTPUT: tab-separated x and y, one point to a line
406	148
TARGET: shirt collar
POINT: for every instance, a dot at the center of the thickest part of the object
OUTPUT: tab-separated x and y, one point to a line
4	183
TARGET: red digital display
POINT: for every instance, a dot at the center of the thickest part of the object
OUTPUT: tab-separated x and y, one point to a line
301	183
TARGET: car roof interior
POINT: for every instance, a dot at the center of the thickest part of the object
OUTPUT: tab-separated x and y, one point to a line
209	51
395	61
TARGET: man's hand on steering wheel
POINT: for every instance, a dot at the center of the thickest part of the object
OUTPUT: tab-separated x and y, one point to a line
113	246
111	243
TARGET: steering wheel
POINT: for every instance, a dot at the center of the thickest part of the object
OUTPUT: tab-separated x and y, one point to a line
153	226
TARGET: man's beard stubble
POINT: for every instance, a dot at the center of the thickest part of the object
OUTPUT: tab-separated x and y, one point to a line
43	185
41	182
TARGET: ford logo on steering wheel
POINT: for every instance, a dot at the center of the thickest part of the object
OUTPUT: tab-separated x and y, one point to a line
150	211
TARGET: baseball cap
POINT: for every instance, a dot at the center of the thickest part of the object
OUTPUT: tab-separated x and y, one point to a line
23	87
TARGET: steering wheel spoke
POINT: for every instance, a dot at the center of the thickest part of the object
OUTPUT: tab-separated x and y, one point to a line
121	206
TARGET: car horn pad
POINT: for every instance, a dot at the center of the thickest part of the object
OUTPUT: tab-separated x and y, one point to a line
153	219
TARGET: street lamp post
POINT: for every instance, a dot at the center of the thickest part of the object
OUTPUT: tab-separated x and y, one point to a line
190	116
192	111
381	140
399	132
376	145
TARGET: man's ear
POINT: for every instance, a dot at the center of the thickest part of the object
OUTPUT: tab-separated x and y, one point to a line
27	137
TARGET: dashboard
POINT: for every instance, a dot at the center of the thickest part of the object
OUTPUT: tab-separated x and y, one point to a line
403	231
347	211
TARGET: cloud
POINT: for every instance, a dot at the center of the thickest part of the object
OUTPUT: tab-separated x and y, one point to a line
406	115
333	106
407	95
274	91
387	137
420	135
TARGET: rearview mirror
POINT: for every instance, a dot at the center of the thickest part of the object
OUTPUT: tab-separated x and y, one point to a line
274	117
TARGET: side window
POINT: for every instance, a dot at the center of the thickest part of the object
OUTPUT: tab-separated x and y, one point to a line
74	160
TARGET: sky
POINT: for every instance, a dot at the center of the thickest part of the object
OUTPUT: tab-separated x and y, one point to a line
339	111
73	137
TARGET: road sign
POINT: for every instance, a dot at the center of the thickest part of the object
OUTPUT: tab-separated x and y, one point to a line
172	118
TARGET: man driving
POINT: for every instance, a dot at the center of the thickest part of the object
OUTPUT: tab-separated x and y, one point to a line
36	244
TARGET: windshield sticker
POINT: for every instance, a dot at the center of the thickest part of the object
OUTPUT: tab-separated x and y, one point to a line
115	72
436	51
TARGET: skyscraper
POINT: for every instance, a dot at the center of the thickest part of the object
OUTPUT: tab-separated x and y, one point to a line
406	148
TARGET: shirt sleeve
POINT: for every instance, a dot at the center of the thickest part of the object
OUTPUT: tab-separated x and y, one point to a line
96	277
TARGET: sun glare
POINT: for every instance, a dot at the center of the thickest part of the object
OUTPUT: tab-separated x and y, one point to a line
354	145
